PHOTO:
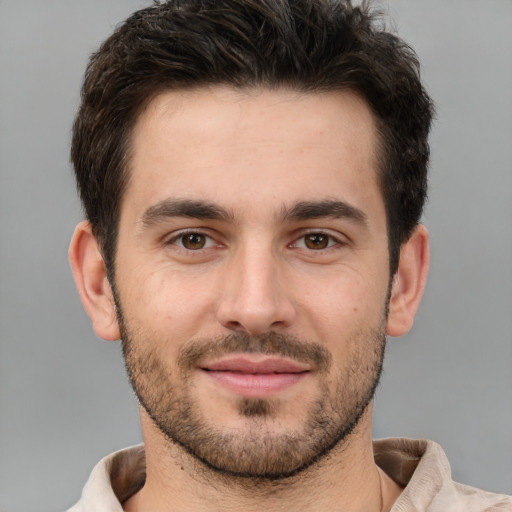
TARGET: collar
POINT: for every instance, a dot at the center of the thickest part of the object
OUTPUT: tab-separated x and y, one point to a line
420	466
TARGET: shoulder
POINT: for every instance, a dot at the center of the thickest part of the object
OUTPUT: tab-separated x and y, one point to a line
422	468
481	501
113	480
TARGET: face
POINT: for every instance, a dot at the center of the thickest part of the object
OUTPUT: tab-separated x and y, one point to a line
251	275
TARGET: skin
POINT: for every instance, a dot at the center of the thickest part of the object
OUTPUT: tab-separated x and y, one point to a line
261	154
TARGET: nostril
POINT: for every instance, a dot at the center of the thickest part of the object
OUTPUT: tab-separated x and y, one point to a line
234	325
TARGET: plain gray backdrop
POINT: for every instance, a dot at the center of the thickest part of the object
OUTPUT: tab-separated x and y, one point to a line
64	398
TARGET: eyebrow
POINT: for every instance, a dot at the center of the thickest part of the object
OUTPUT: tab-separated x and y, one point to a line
169	208
301	211
330	208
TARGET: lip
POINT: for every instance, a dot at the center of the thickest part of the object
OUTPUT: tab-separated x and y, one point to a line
255	376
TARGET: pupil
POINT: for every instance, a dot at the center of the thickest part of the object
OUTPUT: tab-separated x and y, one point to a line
317	241
193	241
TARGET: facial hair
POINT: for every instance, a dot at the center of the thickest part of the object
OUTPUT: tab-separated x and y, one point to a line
258	451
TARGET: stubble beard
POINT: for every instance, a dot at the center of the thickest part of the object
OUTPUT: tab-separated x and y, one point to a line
259	452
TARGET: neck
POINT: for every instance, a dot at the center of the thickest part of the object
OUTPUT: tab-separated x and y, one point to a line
347	480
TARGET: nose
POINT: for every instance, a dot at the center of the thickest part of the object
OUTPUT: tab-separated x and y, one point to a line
255	294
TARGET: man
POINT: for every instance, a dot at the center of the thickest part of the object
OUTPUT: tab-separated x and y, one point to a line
253	176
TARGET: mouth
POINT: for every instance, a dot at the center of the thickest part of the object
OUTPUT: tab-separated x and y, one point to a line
253	375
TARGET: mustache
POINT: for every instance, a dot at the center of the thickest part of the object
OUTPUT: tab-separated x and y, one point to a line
282	345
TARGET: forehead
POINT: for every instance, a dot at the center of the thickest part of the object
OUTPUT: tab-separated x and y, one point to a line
230	144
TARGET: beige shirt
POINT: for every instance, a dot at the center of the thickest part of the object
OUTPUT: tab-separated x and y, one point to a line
419	466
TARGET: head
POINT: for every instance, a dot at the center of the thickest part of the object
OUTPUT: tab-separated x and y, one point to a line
253	174
307	45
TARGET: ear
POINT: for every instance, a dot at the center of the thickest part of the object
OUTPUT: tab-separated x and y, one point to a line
91	280
408	283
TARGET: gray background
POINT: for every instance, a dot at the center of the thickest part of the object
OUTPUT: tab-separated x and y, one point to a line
64	400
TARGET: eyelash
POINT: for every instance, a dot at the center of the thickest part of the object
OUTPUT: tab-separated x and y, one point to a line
332	241
182	234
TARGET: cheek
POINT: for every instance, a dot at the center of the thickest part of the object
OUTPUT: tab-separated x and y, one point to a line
341	309
344	299
167	301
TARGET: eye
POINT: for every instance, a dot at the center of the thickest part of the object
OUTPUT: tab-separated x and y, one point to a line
193	241
315	241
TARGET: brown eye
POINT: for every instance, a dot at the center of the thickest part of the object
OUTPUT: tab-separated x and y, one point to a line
316	241
193	241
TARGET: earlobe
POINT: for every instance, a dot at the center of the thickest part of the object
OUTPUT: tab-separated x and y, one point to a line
92	283
408	283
